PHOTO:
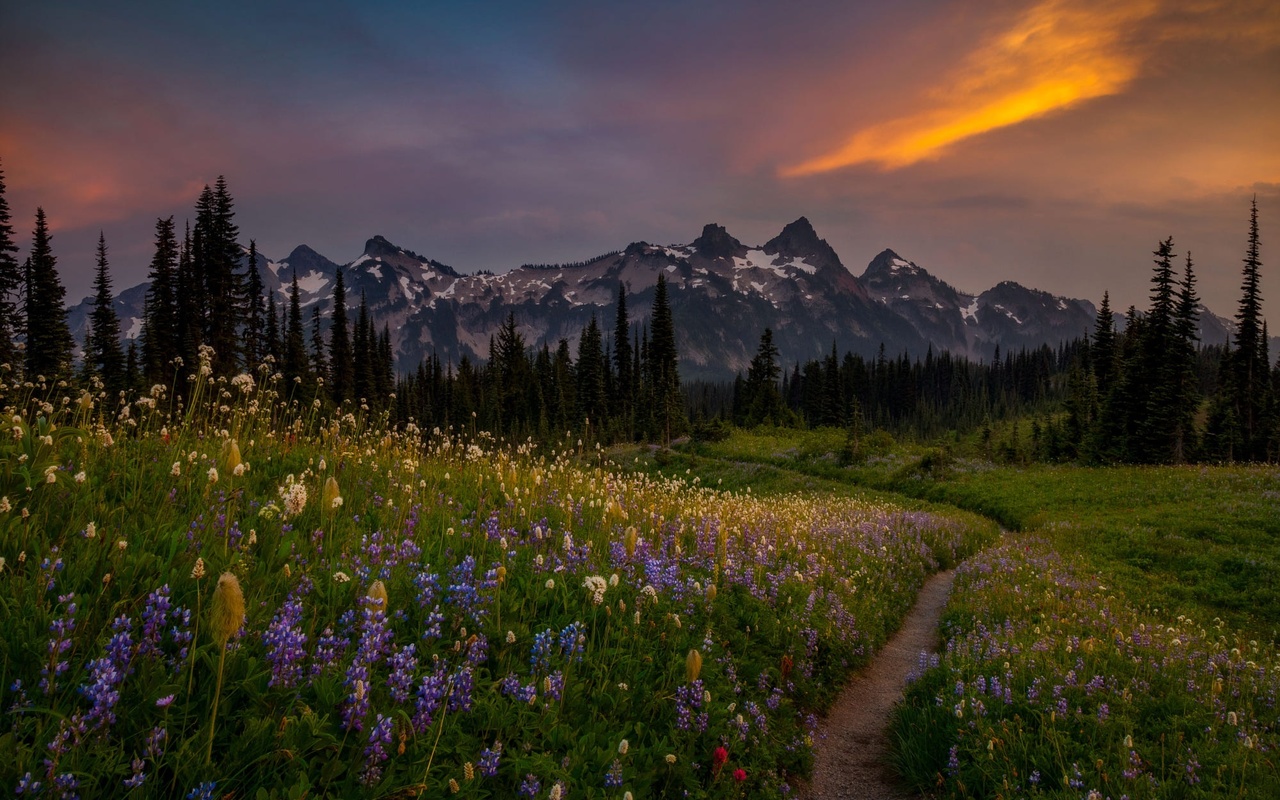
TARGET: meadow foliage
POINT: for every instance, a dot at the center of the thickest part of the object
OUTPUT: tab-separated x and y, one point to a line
1052	684
236	593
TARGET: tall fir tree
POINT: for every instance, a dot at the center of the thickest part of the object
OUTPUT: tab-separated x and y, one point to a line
102	346
10	283
1104	347
1156	424
296	369
216	258
189	301
663	367
1250	368
161	332
622	360
271	347
764	401
1186	388
362	355
341	368
319	362
49	342
589	369
254	318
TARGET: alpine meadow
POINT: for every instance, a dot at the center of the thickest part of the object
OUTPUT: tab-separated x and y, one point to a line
640	400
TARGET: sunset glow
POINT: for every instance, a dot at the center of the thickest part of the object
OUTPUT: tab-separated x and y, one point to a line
1055	57
1041	140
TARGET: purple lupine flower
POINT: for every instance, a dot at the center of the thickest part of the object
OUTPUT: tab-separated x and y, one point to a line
543	643
286	645
489	758
613	778
376	753
155	615
689	713
66	784
431	693
330	648
477	650
105	676
553	687
573	641
181	634
530	786
136	779
463	681
203	791
428	584
155	743
511	687
462	593
59	642
404	662
27	785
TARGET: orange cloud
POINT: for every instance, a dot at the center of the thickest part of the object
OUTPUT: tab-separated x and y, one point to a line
1056	55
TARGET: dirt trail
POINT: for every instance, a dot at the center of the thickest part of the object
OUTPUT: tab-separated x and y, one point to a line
852	760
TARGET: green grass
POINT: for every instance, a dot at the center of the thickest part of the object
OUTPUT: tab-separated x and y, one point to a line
1199	540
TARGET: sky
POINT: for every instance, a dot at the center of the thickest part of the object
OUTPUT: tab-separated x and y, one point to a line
1049	142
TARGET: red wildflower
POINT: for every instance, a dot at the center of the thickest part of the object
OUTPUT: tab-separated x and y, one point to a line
739	775
717	760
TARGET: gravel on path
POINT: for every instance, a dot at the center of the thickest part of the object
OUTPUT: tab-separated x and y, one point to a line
852	755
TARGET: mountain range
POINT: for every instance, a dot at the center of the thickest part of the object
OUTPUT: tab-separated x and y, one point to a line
723	294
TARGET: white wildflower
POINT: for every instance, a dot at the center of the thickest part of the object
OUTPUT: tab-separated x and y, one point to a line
90	531
341	577
213	474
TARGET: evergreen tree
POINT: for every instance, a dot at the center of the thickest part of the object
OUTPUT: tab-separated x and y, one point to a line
49	342
1104	347
341	369
764	402
272	345
254	318
362	355
160	328
663	369
510	377
295	349
1157	371
216	259
384	372
319	363
11	282
622	359
1250	368
1186	389
189	301
102	346
589	370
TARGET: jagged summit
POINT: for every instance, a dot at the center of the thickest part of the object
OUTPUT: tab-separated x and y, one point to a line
887	263
800	240
715	242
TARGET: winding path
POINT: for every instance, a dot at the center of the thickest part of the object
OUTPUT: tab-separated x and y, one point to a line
851	759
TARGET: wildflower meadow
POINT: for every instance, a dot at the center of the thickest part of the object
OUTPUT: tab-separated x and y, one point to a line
1054	684
237	594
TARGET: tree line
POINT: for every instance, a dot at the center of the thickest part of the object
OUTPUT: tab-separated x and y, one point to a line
206	291
1148	393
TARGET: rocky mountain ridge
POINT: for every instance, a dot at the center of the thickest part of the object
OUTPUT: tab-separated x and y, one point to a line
723	294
